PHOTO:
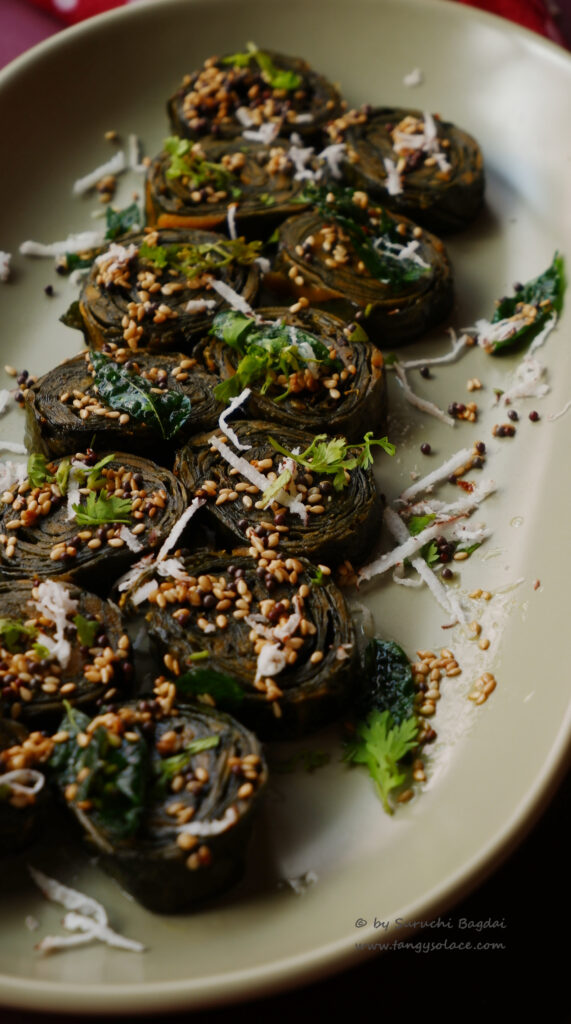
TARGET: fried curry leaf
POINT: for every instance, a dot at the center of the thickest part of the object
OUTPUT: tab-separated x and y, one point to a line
389	680
108	771
120	222
381	744
128	392
218	685
378	245
524	314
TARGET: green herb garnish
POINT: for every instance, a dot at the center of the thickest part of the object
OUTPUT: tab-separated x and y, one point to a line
120	222
38	470
276	77
538	302
115	782
268	351
187	161
168	767
87	630
102	508
336	456
40	473
128	392
42	651
377	245
222	687
192	260
381	744
15	635
388	681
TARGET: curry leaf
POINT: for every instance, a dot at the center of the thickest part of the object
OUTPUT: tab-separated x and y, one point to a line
128	392
527	312
120	222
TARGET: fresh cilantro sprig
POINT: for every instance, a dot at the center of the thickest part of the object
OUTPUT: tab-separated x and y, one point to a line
15	635
41	472
87	630
380	745
192	260
129	392
187	161
378	245
278	78
102	508
336	456
168	767
268	351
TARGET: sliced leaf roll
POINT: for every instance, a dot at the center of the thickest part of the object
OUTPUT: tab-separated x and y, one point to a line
165	794
159	291
356	256
275	626
23	792
245	91
58	643
304	369
340	522
208	184
416	164
146	403
86	518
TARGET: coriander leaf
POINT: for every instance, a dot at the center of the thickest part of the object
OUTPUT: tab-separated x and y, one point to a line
128	392
187	160
168	767
15	635
87	630
38	471
336	456
119	222
278	78
416	524
156	254
381	744
271	492
101	508
218	685
62	475
41	651
192	260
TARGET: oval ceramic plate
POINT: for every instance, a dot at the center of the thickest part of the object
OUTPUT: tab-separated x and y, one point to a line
491	765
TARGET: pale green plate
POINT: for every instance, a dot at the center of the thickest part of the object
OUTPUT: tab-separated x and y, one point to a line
493	766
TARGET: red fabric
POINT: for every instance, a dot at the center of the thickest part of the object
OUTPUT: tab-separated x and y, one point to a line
72	11
532	14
